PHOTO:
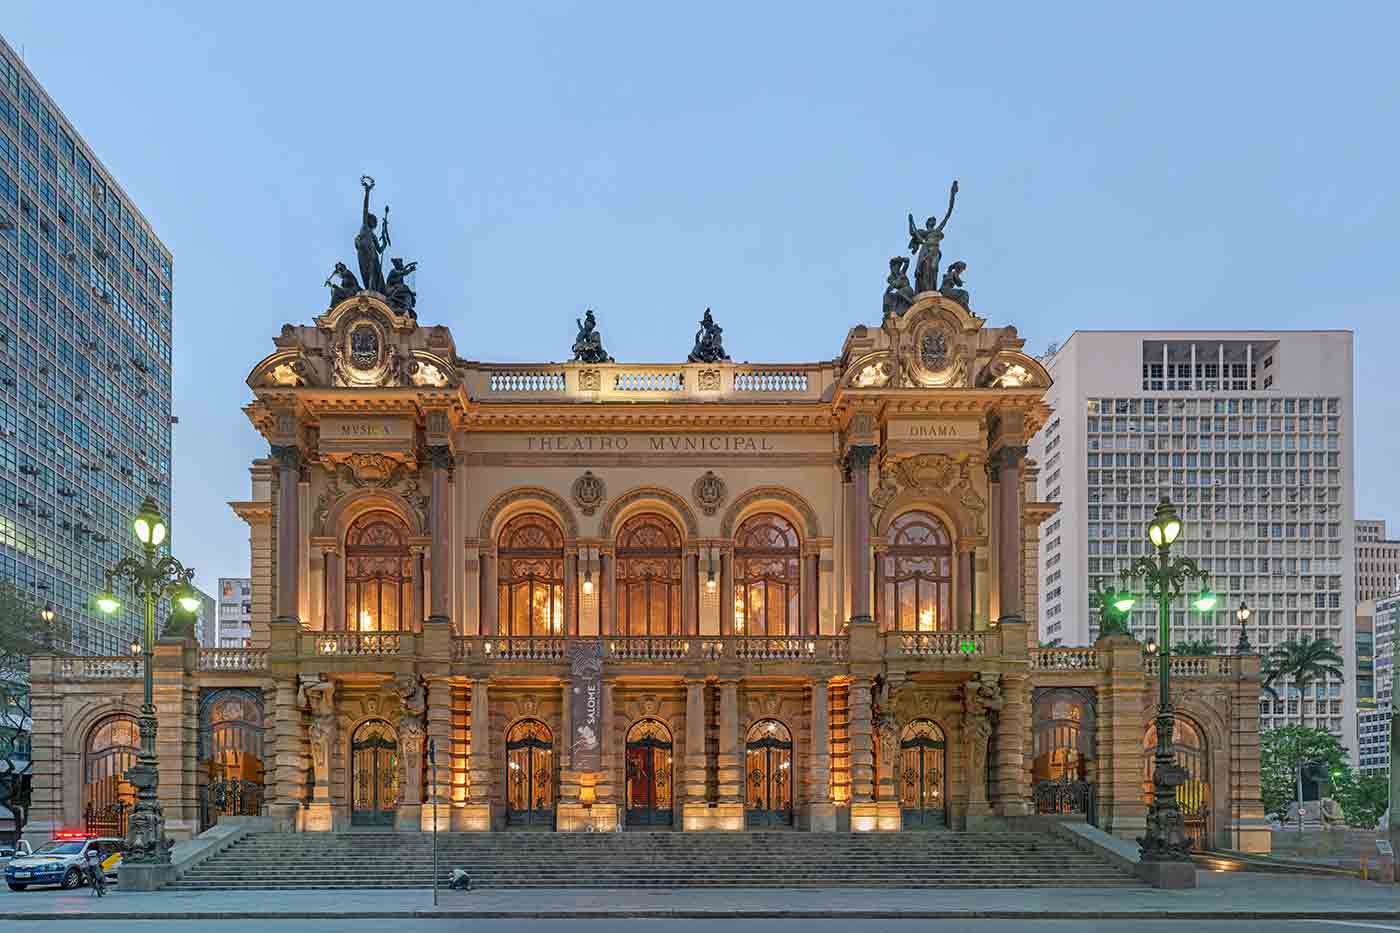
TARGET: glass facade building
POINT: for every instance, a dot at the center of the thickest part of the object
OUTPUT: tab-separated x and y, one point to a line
85	334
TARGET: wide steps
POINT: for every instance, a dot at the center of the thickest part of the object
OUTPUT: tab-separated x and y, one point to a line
373	860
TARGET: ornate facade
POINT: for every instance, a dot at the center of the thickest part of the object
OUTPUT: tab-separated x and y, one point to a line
705	596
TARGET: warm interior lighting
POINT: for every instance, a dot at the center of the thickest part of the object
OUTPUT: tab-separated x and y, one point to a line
587	581
587	796
710	582
366	621
926	620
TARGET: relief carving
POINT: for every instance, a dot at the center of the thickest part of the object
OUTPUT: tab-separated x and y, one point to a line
709	492
589	492
590	380
932	475
709	380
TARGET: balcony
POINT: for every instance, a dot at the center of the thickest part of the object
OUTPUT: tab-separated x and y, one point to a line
632	649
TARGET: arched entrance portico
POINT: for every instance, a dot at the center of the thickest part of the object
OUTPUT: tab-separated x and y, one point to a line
374	774
649	774
768	770
230	755
923	775
1189	750
530	774
110	750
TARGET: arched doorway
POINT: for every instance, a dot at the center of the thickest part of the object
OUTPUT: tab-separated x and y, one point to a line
649	774
914	576
379	575
530	577
768	766
767	577
530	774
648	580
110	750
923	775
1191	754
1063	751
230	755
374	774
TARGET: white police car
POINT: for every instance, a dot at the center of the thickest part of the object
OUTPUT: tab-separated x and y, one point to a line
61	861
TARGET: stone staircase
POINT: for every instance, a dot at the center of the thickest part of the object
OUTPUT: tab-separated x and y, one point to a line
655	860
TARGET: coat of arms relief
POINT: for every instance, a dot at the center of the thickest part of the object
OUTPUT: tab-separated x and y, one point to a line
935	476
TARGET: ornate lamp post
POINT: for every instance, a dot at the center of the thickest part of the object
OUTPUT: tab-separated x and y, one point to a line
152	577
1242	615
1165	578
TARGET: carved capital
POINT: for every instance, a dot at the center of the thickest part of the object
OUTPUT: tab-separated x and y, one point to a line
440	456
287	456
858	456
1009	457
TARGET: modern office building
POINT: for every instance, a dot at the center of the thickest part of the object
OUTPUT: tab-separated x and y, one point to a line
1377	561
206	619
235	618
1250	434
1373	722
85	329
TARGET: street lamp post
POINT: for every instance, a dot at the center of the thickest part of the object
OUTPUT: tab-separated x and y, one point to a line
1165	578
1242	615
152	577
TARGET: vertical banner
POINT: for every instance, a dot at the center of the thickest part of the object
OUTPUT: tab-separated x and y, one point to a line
586	703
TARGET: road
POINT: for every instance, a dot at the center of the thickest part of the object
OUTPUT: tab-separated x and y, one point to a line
705	926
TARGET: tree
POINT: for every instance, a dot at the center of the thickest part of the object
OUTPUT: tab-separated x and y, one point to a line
1305	660
1204	648
1364	797
24	633
16	724
1052	643
1281	753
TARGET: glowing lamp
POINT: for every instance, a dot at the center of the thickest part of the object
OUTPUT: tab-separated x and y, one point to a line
187	599
588	582
107	602
1151	646
1205	602
1243	613
1166	525
47	612
1124	601
134	647
150	527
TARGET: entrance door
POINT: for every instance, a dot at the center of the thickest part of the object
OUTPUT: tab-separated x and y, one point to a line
374	774
649	774
768	764
530	770
922	773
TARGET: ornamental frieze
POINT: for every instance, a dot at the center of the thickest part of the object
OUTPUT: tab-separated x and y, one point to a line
935	476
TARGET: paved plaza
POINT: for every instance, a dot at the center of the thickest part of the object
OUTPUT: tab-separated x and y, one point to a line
1219	897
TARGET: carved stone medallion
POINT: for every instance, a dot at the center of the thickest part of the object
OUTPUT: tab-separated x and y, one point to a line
709	380
364	346
589	492
709	492
590	380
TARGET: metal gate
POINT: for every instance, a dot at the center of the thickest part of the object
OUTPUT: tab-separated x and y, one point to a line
923	775
768	760
230	754
649	774
530	774
374	774
109	752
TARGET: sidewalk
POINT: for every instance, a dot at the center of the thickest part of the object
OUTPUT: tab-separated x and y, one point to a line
1220	896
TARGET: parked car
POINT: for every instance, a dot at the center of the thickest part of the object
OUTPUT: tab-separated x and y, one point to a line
18	850
60	861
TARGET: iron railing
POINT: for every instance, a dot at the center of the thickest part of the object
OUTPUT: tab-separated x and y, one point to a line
229	798
1065	797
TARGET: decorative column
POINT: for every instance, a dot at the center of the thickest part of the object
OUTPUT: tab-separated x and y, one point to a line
440	523
477	815
726	591
821	812
1013	728
607	613
571	597
860	456
323	736
288	459
811	593
729	814
695	810
439	730
689	594
489	593
335	589
966	614
1009	531
864	816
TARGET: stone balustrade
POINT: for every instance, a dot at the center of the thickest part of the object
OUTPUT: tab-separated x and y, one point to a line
593	382
1219	665
353	644
943	644
665	648
232	659
118	667
1065	659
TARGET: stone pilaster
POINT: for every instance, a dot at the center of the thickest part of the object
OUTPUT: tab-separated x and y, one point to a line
46	752
176	698
440	524
477	815
1123	698
1249	829
694	807
859	457
288	459
862	745
1012	731
820	811
731	753
1009	536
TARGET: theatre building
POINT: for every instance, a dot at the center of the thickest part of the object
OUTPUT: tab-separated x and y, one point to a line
703	596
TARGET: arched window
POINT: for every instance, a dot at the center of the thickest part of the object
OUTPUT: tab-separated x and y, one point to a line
531	577
530	774
648	577
768	773
914	576
110	750
767	578
374	774
230	754
923	775
1190	753
378	573
649	773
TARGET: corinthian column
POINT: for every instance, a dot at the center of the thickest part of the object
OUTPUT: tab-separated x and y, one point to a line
288	529
860	456
439	523
1010	565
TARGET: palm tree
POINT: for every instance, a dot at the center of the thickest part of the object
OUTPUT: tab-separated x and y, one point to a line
1204	648
1306	660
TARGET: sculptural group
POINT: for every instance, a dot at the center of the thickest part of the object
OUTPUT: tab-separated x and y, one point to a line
709	343
370	244
926	248
588	345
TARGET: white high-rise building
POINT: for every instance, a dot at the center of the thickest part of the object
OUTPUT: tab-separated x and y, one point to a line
1250	434
235	623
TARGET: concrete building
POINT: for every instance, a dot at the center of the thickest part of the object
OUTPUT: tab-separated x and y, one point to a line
810	583
206	619
1377	560
85	329
1373	721
235	617
1250	434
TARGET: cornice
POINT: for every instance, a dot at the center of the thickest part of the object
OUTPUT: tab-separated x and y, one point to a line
254	512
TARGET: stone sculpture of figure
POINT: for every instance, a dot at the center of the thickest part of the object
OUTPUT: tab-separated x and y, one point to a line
369	246
898	293
347	287
927	244
709	342
588	345
414	697
396	288
319	700
981	699
952	286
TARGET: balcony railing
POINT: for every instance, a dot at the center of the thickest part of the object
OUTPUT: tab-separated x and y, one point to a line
232	659
1219	665
944	644
645	648
355	644
640	648
110	668
1065	659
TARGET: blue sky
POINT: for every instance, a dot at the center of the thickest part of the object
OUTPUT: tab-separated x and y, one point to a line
1186	166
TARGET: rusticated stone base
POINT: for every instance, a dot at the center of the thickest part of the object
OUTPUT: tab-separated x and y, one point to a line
1172	876
719	817
881	816
316	818
576	818
819	818
472	818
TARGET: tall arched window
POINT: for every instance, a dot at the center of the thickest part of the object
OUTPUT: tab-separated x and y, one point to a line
531	577
110	751
378	573
767	578
648	577
914	575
